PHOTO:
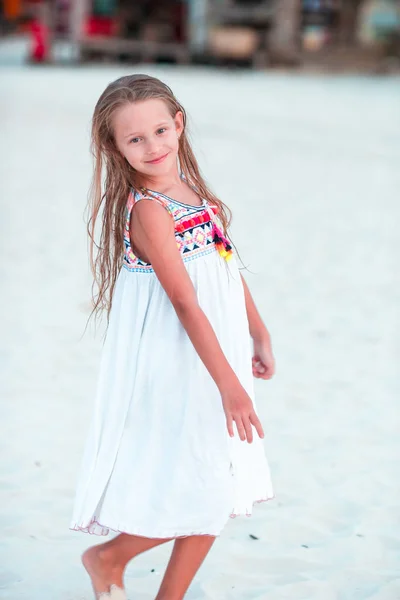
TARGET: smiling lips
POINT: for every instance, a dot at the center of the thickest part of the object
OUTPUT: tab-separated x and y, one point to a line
156	161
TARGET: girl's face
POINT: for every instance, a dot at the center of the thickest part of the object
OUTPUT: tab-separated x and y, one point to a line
148	137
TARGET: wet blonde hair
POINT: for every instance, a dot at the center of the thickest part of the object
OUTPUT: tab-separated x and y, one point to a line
113	177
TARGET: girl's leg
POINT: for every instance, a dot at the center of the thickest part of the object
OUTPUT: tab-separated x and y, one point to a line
106	562
187	555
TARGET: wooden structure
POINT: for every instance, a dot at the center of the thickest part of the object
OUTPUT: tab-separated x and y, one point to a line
143	46
200	19
255	13
254	16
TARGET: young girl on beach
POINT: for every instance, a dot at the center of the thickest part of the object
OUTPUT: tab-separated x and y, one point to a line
175	445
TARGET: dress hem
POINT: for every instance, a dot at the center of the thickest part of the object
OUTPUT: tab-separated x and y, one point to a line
94	527
106	529
248	512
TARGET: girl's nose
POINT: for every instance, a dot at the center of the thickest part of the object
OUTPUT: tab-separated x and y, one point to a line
152	147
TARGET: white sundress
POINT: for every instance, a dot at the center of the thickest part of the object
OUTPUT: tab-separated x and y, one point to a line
158	460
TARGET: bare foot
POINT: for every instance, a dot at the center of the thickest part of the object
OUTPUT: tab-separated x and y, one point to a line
102	570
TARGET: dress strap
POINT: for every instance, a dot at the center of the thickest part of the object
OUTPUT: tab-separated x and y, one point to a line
131	201
137	195
145	194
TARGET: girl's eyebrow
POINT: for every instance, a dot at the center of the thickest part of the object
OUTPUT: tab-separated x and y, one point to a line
155	127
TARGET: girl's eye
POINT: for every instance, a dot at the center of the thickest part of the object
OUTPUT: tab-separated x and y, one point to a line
161	130
134	140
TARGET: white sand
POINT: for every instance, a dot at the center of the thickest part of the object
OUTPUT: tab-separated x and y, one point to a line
310	167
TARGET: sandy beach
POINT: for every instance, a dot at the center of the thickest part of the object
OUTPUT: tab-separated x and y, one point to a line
310	167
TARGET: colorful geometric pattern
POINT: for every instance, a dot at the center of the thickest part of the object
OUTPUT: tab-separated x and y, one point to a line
198	230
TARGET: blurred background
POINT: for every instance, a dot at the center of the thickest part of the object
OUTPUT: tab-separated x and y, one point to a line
294	113
256	33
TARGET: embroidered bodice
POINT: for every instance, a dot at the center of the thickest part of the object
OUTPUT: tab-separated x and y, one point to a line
198	230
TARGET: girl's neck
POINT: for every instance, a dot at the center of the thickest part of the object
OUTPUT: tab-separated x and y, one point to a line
160	183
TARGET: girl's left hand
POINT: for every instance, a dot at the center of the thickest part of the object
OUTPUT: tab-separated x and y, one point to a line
263	360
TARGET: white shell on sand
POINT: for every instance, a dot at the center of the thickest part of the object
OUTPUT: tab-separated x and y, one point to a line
310	165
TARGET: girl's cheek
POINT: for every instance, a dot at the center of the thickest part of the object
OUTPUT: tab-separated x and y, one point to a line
133	155
174	142
170	137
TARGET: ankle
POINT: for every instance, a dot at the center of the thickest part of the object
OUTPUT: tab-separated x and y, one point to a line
109	558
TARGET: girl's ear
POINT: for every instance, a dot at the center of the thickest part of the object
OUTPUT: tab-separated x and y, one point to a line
179	123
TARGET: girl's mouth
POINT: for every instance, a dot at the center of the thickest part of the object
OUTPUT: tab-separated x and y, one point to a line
156	161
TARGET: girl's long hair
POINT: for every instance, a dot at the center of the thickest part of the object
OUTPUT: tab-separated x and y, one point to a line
113	178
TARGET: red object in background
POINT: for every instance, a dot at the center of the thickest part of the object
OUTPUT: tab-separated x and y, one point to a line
40	48
100	26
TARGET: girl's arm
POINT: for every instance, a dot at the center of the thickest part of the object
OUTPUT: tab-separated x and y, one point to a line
152	230
263	359
258	330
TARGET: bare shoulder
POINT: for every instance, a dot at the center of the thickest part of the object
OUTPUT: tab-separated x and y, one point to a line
150	216
150	223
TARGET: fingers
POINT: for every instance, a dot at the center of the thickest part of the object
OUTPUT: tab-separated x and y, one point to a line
249	431
258	365
254	420
259	375
240	427
229	424
244	426
261	370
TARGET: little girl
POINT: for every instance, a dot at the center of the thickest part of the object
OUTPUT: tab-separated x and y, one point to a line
175	446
